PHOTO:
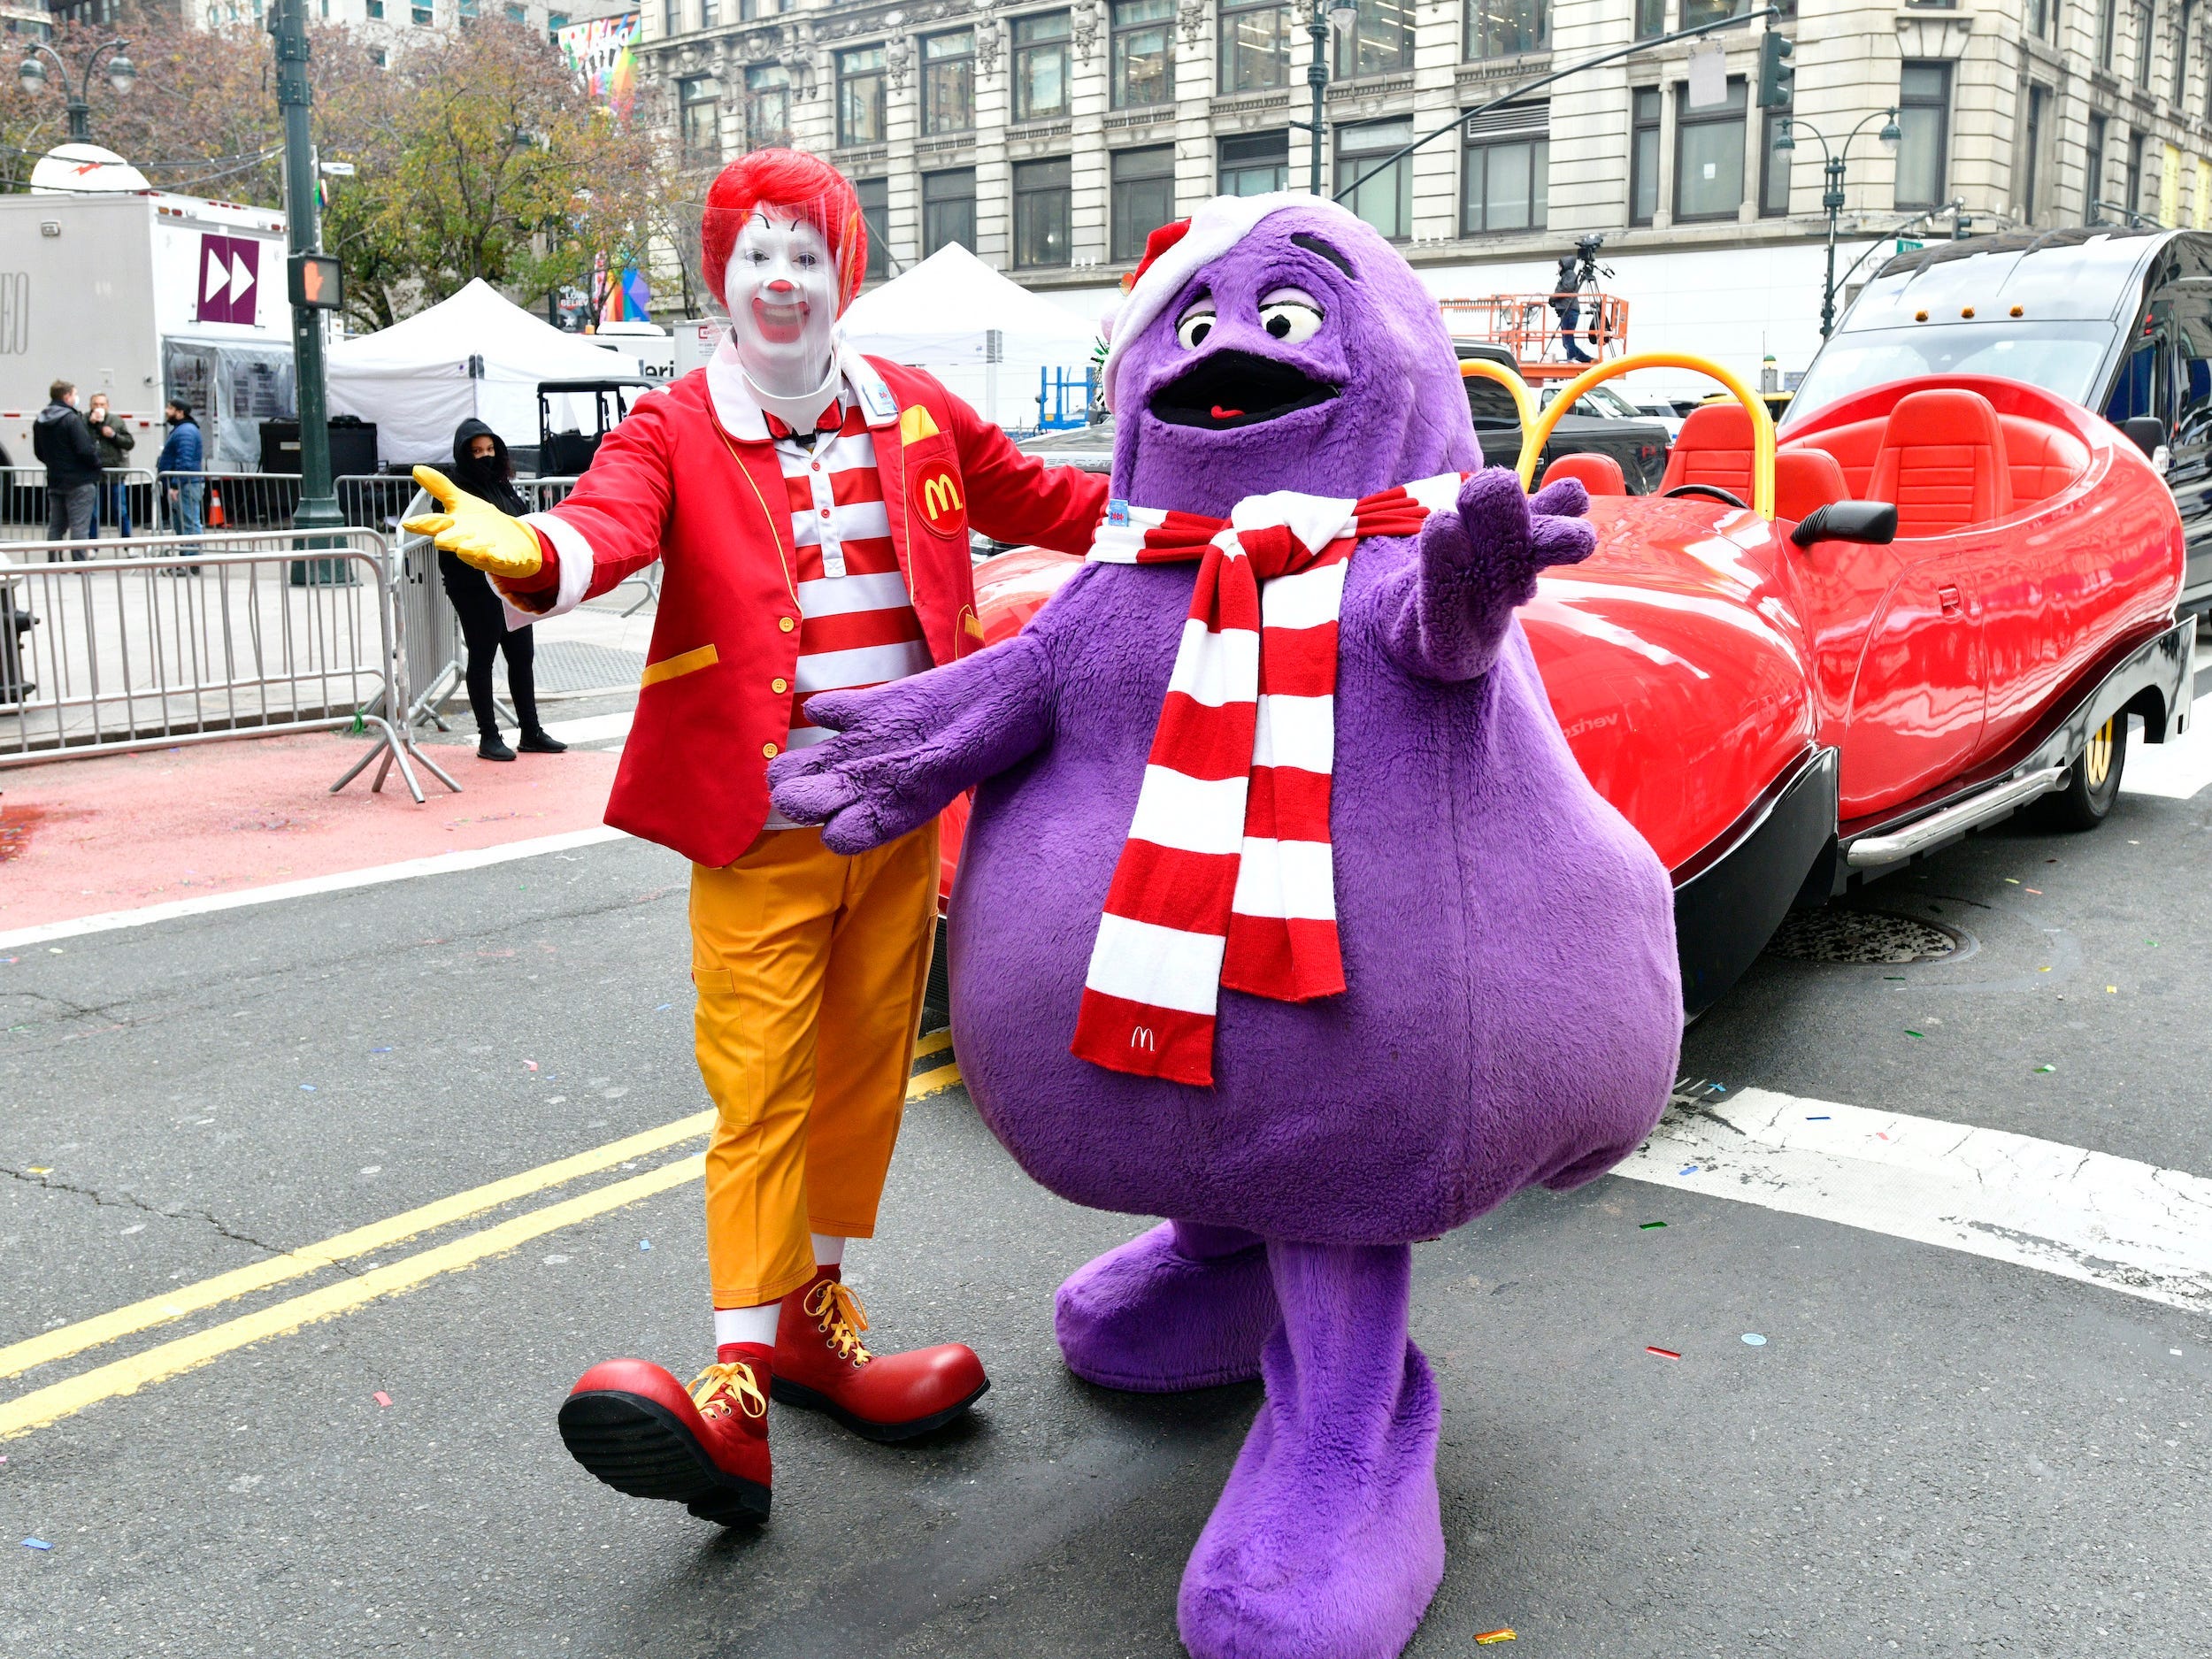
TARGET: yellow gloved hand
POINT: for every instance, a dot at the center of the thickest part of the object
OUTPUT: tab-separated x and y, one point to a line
475	532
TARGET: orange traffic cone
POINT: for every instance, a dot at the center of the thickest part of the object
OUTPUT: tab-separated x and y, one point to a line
214	507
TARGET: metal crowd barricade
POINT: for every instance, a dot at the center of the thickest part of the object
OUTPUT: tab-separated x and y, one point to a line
542	493
113	645
24	502
232	501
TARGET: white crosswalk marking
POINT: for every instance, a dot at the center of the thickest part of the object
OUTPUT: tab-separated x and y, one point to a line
2108	1221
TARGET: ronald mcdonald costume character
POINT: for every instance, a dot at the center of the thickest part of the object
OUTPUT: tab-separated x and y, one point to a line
1284	911
811	508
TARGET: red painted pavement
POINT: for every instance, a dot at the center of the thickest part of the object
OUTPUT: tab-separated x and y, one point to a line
84	836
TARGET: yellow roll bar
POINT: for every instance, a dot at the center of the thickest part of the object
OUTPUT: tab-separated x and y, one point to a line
1524	400
1536	436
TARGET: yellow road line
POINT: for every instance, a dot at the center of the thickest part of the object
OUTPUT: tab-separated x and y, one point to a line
185	1299
378	1235
936	1042
51	1404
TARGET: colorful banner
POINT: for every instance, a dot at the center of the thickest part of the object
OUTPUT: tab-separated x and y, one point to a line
601	52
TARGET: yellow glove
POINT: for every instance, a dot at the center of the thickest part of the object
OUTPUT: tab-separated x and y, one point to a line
475	532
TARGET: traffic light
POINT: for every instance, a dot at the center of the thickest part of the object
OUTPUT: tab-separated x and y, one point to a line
1777	79
315	281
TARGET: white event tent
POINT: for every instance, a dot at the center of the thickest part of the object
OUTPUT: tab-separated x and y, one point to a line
940	316
475	354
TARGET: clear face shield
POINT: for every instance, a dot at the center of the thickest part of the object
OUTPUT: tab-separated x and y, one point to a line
782	291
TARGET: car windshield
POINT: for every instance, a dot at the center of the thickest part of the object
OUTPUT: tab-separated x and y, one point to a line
2060	358
1600	401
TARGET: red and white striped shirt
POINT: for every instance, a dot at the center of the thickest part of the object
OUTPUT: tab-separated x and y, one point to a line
857	621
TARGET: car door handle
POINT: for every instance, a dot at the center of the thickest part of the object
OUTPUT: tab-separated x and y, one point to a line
1948	598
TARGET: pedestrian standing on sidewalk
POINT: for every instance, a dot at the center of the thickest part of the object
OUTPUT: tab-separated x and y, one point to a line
63	443
482	467
113	439
179	467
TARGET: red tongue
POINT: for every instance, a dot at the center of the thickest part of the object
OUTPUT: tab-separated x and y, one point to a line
1225	414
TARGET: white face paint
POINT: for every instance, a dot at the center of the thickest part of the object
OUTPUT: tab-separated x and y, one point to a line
781	292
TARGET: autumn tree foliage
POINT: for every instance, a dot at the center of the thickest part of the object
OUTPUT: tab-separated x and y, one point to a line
476	154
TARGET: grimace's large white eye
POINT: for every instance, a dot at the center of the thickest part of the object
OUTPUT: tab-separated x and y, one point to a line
1195	324
1290	315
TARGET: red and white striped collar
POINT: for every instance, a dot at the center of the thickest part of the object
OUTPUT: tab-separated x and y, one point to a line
742	416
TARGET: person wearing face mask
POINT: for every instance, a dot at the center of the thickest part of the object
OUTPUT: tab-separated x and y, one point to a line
811	507
482	467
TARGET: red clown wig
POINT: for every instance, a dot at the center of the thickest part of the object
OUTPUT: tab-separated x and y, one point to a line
788	178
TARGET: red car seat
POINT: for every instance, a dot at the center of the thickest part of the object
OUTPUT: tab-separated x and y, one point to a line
1943	462
1806	479
1715	448
2044	459
1599	474
1854	448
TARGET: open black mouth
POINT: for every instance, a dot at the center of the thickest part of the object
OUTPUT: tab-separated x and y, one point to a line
1230	389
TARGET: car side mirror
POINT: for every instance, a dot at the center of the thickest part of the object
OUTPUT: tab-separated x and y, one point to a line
2146	432
1872	522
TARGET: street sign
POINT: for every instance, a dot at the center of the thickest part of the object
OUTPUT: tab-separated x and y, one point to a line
316	282
339	169
1906	244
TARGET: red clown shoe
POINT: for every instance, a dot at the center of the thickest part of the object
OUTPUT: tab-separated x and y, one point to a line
634	1426
822	1367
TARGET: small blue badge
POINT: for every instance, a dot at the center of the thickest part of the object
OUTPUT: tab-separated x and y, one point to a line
877	395
1117	514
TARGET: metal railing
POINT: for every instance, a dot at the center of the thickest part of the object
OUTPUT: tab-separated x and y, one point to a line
115	645
25	503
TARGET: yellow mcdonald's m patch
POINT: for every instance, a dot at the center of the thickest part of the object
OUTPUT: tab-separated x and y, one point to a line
941	498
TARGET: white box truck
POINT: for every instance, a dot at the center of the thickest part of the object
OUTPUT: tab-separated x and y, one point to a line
145	295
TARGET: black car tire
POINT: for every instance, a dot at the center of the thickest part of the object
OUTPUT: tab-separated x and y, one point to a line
2092	783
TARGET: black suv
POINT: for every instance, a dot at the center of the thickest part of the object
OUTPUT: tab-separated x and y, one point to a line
1602	422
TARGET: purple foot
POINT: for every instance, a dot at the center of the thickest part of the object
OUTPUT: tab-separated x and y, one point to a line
1326	1543
1183	1306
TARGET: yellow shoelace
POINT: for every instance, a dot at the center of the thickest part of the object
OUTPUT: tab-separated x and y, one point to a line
838	1316
733	1381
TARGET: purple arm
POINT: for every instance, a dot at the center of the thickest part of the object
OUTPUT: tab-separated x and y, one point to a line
1445	614
905	750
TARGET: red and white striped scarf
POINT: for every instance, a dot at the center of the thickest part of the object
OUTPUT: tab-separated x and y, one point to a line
1227	878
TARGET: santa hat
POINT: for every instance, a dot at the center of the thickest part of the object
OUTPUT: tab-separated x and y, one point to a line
1174	253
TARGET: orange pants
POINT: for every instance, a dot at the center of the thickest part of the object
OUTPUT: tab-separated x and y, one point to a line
811	969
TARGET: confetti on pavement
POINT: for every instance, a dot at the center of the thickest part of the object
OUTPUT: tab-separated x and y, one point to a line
1489	1636
36	1543
1663	1353
382	1398
1752	1339
1648	1226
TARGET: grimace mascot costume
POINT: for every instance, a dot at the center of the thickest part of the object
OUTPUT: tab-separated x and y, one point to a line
1285	912
811	508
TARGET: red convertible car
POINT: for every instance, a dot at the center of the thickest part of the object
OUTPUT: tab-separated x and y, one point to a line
1799	667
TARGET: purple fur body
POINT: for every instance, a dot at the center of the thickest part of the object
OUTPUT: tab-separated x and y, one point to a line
1512	1014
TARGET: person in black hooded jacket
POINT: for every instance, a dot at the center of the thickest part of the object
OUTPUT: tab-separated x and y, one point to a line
482	467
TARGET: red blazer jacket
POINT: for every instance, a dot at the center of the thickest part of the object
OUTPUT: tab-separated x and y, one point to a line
674	482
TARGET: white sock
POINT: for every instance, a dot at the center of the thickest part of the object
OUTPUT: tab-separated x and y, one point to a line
747	1324
829	1249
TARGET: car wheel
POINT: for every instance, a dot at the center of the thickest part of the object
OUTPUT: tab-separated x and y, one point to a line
2093	784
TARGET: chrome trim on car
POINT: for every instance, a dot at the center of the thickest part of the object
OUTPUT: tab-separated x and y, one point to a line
1869	851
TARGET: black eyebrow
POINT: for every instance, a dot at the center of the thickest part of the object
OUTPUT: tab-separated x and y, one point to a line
1312	243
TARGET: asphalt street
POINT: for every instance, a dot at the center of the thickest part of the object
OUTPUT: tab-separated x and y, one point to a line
1932	1453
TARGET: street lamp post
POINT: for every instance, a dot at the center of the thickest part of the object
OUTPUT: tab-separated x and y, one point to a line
1831	195
122	75
1326	14
318	506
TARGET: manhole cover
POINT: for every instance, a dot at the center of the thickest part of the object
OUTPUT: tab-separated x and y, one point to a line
1841	935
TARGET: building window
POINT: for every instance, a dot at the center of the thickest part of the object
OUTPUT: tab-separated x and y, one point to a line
1924	115
699	119
1040	67
1651	19
555	21
1697	11
380	58
2132	196
376	8
2041	15
1255	45
1643	155
1774	168
709	13
1042	221
2146	42
1139	64
767	106
948	209
518	14
2185	29
1505	176
2092	174
2108	26
422	16
1253	164
948	81
875	213
1385	201
2031	154
1499	29
860	96
1709	155
1379	41
465	11
1143	197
